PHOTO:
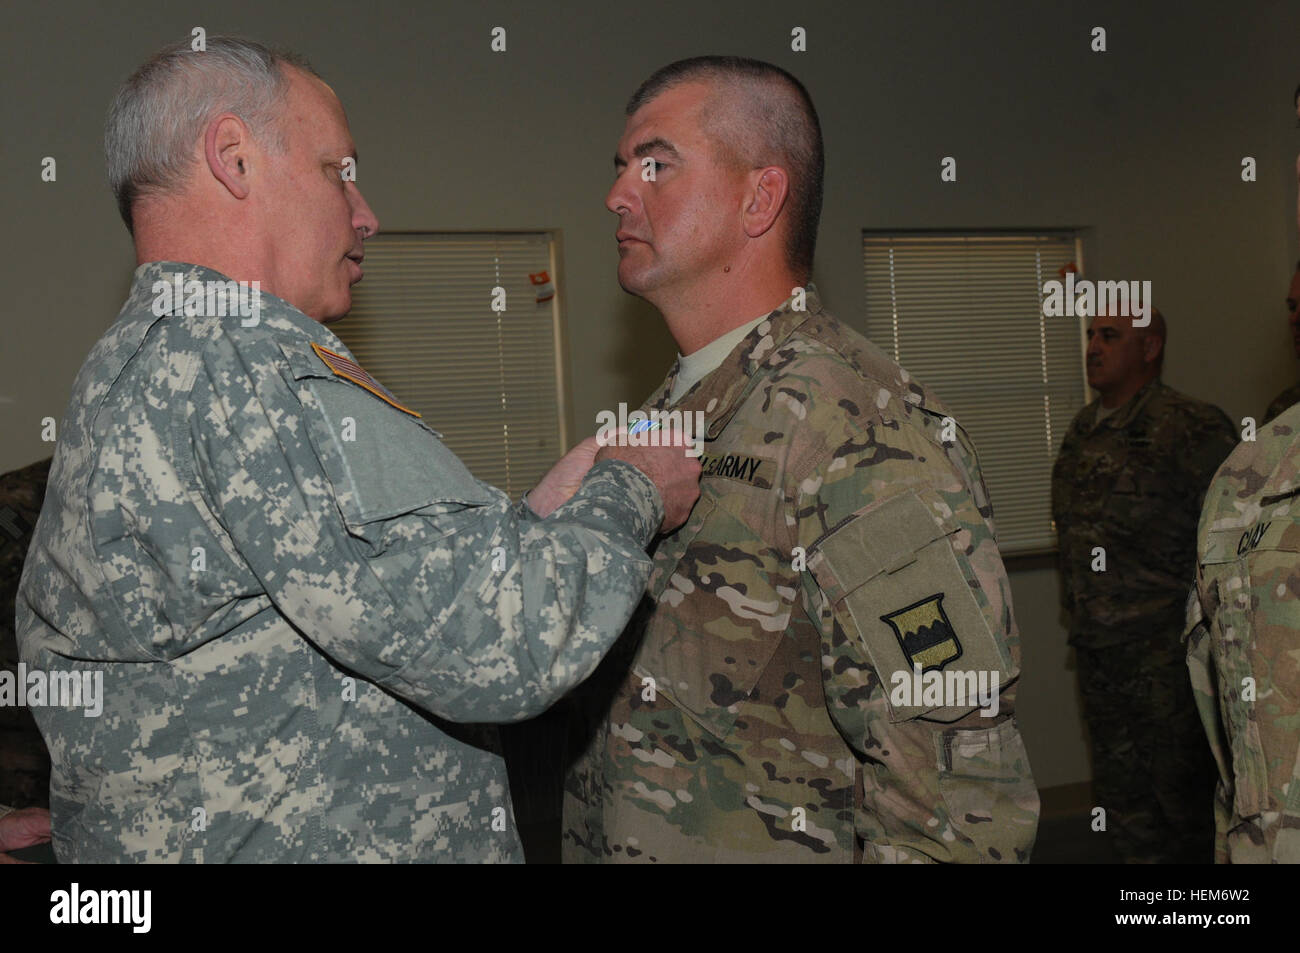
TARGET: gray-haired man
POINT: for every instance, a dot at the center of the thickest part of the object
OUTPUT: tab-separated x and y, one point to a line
280	572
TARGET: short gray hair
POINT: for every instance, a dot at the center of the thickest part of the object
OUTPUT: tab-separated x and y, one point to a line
162	109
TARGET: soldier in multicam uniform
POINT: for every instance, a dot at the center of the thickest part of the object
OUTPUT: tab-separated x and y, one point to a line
1242	620
24	759
843	536
1290	395
1126	491
273	563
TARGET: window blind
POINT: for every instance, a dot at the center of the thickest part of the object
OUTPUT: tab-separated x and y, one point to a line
963	313
422	323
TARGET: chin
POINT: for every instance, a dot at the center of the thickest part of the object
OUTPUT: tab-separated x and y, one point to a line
337	310
630	282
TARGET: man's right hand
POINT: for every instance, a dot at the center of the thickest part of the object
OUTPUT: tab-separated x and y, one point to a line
676	475
23	828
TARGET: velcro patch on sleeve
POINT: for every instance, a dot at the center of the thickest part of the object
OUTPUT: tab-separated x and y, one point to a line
894	580
350	370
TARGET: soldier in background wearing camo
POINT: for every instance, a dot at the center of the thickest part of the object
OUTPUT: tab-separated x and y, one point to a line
1290	395
24	759
1243	622
284	577
841	538
1126	493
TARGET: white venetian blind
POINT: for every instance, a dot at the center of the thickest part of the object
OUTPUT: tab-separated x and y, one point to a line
422	324
963	313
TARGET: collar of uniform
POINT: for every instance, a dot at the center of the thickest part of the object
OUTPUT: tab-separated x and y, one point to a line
718	393
1122	416
274	311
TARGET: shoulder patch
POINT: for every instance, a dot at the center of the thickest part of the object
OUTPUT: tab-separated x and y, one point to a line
350	370
925	633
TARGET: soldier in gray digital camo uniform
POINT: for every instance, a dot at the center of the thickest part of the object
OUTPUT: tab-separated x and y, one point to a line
291	588
1126	489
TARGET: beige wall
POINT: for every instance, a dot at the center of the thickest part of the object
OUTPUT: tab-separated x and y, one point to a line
1141	145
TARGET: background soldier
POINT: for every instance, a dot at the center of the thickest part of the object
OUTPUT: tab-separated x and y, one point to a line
1126	491
1243	619
1290	395
24	760
843	535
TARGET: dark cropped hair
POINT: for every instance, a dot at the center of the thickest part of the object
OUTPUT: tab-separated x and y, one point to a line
778	125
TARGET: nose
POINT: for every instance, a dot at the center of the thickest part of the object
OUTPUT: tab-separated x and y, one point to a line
622	195
363	219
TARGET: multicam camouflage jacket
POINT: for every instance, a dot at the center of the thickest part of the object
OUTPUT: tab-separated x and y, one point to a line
1243	637
843	536
288	582
24	759
1132	486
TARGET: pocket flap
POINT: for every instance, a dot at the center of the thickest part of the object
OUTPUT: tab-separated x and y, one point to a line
861	549
382	461
898	585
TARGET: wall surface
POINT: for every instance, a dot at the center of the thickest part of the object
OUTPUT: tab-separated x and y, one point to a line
1142	145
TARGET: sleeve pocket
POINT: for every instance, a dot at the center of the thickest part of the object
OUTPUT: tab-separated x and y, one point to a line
894	578
383	463
1232	649
988	789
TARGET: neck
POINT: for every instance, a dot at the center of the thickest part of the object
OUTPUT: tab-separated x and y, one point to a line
701	315
172	232
1119	395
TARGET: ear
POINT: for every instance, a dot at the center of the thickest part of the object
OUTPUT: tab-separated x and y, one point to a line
1151	348
228	149
771	187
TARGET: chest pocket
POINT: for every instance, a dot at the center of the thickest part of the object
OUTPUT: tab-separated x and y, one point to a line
382	462
1134	496
722	603
897	586
1254	647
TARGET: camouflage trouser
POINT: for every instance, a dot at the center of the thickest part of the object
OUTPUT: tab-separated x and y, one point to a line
1151	764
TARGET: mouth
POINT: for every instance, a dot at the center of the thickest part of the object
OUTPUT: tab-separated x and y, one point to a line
625	238
356	258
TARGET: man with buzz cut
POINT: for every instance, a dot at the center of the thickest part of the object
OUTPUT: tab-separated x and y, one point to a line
842	549
291	587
